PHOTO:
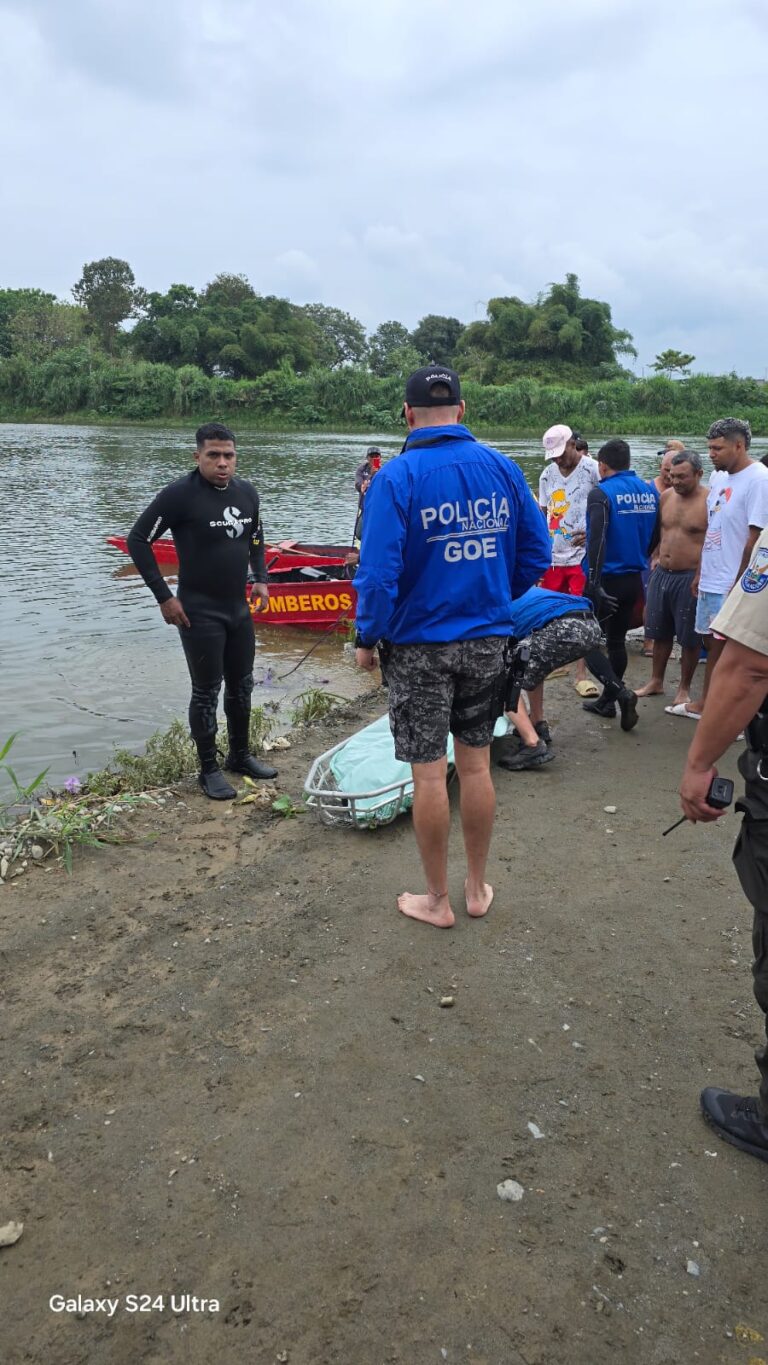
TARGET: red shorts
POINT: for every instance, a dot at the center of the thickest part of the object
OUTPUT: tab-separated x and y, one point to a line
565	578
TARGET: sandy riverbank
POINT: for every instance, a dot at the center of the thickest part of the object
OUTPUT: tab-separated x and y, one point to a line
227	1074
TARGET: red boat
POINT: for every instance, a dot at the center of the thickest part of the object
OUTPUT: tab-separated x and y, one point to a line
287	554
307	583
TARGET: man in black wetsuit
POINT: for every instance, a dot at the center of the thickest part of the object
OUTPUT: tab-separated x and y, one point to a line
215	522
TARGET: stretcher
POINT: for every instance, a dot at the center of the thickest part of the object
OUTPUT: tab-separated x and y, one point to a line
360	784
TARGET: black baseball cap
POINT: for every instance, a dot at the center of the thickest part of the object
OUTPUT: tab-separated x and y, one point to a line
373	450
419	385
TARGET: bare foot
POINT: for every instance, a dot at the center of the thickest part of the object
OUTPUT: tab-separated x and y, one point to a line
431	909
681	698
654	688
480	904
693	708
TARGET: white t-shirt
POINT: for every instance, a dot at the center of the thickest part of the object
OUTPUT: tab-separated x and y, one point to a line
734	503
565	500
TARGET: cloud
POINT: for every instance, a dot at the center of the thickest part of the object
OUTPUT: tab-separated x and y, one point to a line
338	150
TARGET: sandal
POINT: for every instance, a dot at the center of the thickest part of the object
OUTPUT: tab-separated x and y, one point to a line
587	688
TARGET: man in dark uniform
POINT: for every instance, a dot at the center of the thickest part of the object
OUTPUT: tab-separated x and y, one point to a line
215	522
621	515
738	700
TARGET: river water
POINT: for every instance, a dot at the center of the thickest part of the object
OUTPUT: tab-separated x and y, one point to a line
86	661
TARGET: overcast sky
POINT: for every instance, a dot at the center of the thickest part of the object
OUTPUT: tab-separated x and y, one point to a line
401	157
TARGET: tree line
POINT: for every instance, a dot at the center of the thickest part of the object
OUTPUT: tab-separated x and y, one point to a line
117	350
230	331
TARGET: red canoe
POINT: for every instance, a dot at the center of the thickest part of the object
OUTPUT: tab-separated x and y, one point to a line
287	554
306	588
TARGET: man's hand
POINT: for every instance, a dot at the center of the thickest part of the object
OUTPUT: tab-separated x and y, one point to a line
695	585
693	794
579	538
602	601
173	613
261	591
366	659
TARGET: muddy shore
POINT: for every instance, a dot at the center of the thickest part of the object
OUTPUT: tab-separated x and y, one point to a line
227	1074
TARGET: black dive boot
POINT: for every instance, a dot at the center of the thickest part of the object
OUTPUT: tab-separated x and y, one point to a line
211	778
239	760
602	706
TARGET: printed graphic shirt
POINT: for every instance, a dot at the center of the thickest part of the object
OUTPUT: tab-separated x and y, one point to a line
451	536
744	616
734	503
217	533
564	498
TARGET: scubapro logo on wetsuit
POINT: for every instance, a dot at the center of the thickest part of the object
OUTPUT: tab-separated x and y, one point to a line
233	522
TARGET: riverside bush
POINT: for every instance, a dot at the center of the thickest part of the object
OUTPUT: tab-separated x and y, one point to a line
84	383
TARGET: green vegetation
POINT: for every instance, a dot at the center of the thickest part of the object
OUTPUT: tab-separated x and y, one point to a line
32	827
283	805
169	755
313	705
669	362
227	351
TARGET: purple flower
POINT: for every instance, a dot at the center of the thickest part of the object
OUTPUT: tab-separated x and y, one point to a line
73	785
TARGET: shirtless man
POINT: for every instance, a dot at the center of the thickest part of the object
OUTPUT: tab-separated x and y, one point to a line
663	479
670	608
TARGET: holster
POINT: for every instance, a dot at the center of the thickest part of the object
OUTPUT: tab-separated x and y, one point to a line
385	654
517	657
756	733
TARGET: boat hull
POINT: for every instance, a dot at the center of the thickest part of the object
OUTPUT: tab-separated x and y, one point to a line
295	599
280	558
328	604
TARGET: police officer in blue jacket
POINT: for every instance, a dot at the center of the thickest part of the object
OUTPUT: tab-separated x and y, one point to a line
621	515
452	535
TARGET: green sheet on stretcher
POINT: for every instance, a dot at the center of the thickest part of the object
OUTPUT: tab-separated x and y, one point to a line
367	762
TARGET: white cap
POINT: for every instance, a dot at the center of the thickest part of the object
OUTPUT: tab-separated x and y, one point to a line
555	440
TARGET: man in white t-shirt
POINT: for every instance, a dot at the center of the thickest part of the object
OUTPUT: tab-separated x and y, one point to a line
568	477
737	511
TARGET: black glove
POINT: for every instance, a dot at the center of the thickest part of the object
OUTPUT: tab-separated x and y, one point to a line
603	603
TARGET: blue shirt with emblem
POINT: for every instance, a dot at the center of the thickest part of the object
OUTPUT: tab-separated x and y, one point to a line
452	535
623	509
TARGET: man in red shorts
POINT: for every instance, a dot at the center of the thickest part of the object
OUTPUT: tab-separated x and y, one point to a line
566	481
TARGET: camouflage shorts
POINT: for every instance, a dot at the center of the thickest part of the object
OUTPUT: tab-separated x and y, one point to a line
442	687
560	642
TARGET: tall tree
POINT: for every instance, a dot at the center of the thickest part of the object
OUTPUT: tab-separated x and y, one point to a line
341	338
385	343
108	291
41	328
228	290
169	331
13	301
667	362
561	330
436	338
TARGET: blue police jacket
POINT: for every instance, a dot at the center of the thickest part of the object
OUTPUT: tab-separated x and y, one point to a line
538	606
624	508
451	536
